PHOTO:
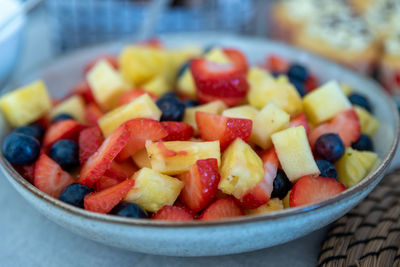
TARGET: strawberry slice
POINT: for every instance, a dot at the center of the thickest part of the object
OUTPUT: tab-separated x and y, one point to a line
169	152
172	213
311	83
49	177
106	182
90	139
261	193
133	94
142	130
92	114
104	201
121	170
177	131
201	184
310	189
277	64
215	127
300	119
237	58
215	81
111	59
26	171
346	124
65	129
99	162
221	209
83	89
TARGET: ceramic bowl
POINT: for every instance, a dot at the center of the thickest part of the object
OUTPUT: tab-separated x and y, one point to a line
219	237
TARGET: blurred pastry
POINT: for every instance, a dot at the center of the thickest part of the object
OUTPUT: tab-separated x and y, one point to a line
389	67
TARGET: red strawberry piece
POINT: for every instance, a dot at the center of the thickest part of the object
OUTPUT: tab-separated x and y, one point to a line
277	64
106	182
99	162
92	114
346	124
215	81
142	130
121	170
311	83
26	171
221	209
65	129
49	177
215	127
151	42
44	121
83	89
310	190
90	139
201	184
133	94
237	58
300	119
172	213
177	131
105	200
111	59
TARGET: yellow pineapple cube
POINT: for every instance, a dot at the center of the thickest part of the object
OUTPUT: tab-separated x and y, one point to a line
158	86
153	190
141	107
274	204
74	106
286	200
294	153
241	169
215	107
241	112
107	85
325	102
282	79
217	55
269	120
141	159
347	89
26	104
369	124
176	157
177	58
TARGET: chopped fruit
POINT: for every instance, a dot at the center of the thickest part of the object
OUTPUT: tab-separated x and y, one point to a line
215	81
282	185
277	64
154	190
300	119
329	147
310	190
49	177
141	159
311	83
275	204
215	107
106	84
142	130
61	117
241	112
269	120
126	209
346	124
83	89
66	129
34	130
26	104
105	200
100	161
364	143
74	194
20	149
171	107
90	140
327	169
177	131
141	107
347	89
286	200
354	166
215	127
361	101
92	114
180	163
172	213
106	182
237	58
121	170
298	72
201	184
294	153
111	59
369	124
157	86
221	209
217	55
325	103
241	169
65	153
131	95
74	106
27	171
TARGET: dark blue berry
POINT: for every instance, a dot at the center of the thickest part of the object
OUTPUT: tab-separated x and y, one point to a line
364	143
298	72
327	169
74	194
277	74
126	209
61	117
65	153
172	109
183	68
190	103
359	100
282	185
329	147
21	149
299	85
34	130
169	94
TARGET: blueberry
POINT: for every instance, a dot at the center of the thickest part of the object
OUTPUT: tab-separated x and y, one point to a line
74	194
364	143
282	185
183	68
327	169
299	85
190	103
169	94
172	109
329	147
21	149
298	72
277	74
126	209
359	100
65	153
34	130
61	117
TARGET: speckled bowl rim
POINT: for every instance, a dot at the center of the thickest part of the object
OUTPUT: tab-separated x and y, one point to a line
371	177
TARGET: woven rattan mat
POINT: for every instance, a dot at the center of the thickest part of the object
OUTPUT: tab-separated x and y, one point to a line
369	235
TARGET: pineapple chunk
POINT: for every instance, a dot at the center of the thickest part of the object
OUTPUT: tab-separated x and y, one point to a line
294	153
269	120
241	169
158	86
241	112
106	84
325	102
369	124
282	79
178	57
141	107
217	55
286	200
26	104
215	107
274	204
354	165
74	106
141	159
187	153
346	88
153	190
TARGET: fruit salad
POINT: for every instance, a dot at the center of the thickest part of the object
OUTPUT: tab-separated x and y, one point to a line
191	134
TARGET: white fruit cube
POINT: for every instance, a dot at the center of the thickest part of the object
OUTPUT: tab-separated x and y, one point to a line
241	112
141	159
158	86
215	107
74	106
369	124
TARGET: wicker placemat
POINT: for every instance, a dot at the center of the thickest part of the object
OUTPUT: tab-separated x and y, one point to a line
369	235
